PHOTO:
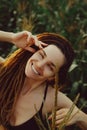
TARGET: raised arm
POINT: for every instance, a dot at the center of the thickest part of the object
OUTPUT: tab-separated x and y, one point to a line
23	39
6	36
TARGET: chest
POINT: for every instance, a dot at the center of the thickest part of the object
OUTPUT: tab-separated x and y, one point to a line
29	104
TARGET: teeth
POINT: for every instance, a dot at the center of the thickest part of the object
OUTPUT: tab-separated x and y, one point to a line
35	71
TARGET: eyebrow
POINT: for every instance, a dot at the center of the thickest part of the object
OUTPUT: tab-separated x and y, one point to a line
46	55
44	52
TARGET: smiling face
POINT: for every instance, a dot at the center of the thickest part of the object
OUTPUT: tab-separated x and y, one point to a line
44	63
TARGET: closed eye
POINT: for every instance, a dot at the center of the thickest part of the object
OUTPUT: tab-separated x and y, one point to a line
50	64
41	54
51	67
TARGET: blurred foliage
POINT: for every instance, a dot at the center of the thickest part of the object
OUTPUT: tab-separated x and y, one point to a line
67	17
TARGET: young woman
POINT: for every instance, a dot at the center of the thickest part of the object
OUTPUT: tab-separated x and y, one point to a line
27	77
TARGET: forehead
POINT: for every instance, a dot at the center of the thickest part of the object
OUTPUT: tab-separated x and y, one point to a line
55	55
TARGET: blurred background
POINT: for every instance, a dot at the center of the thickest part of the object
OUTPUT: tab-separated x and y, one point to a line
66	17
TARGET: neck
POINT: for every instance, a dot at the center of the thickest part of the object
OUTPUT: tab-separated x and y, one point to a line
30	85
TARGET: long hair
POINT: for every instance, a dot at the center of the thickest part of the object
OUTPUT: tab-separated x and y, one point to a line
12	73
12	76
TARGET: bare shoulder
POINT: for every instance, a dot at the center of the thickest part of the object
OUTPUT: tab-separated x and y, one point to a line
62	99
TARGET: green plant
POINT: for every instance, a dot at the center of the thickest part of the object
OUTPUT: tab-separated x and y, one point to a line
67	17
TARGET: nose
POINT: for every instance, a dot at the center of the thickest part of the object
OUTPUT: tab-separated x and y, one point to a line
42	63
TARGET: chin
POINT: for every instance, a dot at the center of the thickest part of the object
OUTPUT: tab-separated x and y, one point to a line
34	77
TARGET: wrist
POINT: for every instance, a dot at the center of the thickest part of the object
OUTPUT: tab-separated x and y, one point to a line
82	117
11	38
82	120
6	36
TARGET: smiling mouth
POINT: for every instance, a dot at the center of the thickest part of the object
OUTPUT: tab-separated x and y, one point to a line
34	70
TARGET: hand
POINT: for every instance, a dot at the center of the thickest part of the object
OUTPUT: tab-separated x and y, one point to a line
25	40
61	113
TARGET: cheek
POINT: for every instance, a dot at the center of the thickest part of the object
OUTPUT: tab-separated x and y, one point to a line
48	72
27	68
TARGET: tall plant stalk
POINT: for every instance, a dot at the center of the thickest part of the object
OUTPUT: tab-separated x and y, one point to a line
55	103
67	117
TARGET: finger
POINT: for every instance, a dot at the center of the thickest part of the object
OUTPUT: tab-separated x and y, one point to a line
39	45
50	117
30	49
29	36
58	117
43	44
57	114
60	111
25	33
58	122
37	42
